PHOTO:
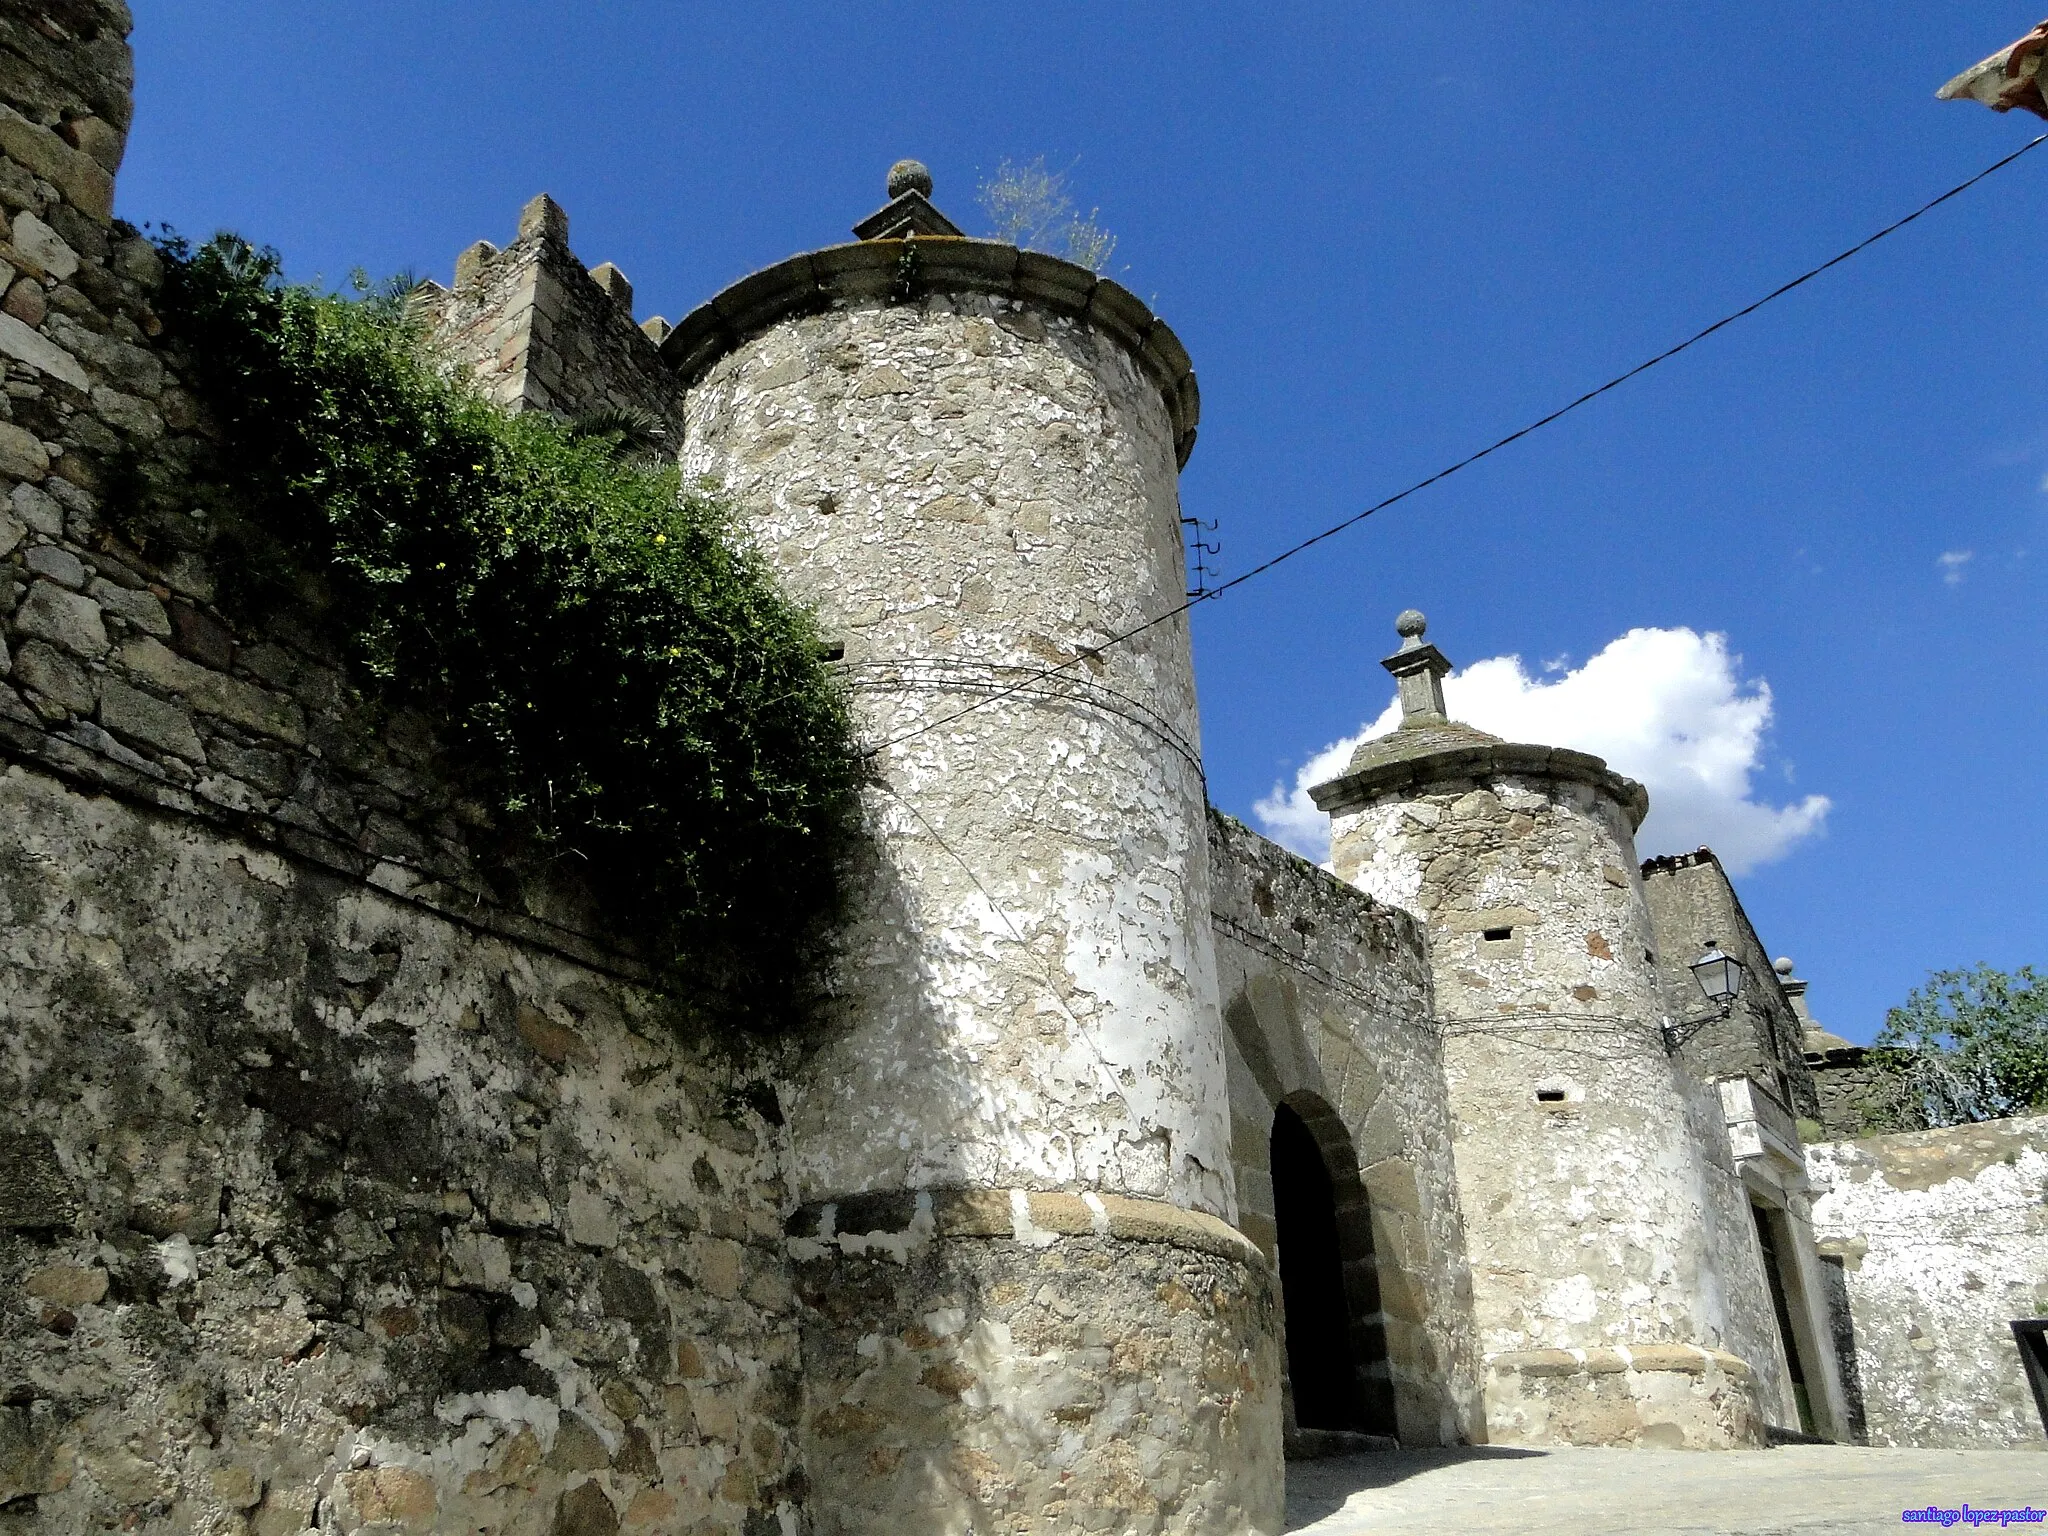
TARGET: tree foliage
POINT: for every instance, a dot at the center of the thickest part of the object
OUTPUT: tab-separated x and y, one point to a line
1972	1044
615	672
1030	206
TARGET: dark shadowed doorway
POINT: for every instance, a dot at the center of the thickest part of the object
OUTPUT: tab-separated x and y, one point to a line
1336	1339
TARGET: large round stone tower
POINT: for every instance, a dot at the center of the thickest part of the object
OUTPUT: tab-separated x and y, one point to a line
1580	1143
1021	1293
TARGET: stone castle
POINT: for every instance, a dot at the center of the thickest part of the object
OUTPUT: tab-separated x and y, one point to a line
1136	1154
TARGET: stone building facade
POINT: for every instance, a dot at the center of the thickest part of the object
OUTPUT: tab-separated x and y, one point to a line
341	1189
1693	907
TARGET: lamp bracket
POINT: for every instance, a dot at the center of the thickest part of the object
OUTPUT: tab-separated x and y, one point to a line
1678	1032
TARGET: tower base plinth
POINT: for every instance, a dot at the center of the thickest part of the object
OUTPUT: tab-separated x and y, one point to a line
1658	1396
981	1361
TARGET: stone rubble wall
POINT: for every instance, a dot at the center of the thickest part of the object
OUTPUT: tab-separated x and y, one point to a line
1857	1096
320	1209
542	332
972	487
1327	997
997	1360
1567	1003
338	1188
1942	1237
118	669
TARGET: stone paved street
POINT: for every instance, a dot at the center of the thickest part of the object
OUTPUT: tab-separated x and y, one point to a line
1811	1490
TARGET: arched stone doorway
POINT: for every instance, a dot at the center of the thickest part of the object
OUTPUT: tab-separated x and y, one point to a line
1338	1373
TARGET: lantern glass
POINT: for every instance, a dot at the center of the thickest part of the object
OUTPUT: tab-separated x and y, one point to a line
1719	975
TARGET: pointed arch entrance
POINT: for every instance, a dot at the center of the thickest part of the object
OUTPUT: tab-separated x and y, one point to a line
1337	1367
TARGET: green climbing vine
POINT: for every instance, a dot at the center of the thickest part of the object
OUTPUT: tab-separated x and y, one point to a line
615	673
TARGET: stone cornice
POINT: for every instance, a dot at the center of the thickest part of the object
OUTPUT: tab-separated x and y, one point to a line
899	271
1425	771
905	1219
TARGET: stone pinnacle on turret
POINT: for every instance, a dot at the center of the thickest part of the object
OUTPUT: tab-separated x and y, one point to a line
909	176
909	212
1419	669
1795	994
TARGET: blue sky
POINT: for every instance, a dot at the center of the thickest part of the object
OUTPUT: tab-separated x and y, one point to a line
1387	233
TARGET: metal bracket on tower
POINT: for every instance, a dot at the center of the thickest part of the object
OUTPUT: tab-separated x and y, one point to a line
1199	553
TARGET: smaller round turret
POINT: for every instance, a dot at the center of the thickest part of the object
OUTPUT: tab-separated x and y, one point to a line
1579	1164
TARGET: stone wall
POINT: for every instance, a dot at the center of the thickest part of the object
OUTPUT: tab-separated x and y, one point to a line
542	332
1857	1094
1942	1237
982	1360
969	491
344	1186
969	465
338	1187
1327	997
118	670
320	1208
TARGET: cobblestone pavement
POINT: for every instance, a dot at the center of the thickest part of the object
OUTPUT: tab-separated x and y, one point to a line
1811	1490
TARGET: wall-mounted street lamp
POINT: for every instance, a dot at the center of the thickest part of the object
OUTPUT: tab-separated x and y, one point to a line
1720	978
1719	975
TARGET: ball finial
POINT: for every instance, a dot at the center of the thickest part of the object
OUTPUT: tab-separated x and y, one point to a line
1411	624
909	176
1782	965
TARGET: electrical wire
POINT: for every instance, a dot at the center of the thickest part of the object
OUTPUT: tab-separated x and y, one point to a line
941	675
1469	460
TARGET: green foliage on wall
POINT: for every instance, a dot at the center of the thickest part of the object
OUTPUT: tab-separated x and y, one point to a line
1030	206
612	668
1972	1045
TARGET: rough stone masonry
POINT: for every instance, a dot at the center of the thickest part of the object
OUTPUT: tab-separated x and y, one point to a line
331	1195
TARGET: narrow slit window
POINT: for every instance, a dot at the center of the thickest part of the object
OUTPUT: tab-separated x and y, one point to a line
1549	1095
1497	934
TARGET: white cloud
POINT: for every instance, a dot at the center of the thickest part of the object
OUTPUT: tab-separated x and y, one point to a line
1290	817
1952	562
1665	706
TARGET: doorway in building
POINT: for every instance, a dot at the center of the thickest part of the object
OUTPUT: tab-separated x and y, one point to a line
1767	1238
1329	1285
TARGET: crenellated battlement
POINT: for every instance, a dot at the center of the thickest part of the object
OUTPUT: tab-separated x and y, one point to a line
543	332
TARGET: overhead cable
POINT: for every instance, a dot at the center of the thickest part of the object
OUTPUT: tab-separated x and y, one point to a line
1212	593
